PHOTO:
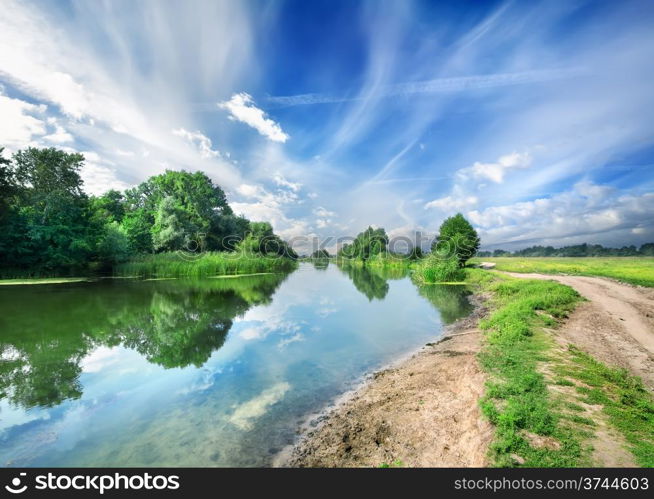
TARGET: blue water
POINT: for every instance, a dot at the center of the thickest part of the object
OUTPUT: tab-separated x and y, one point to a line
217	372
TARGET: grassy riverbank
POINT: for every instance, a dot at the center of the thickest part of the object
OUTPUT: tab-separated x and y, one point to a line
204	265
633	270
537	423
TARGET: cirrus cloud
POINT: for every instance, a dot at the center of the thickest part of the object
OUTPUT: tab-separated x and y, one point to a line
241	108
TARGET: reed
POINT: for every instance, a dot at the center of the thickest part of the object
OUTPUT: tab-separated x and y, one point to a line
208	264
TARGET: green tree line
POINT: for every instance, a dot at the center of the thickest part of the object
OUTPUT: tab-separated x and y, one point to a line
50	226
577	250
456	240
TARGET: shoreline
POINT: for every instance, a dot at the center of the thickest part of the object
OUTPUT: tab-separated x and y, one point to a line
408	412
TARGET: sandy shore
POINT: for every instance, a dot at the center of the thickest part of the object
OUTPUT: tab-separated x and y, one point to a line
422	412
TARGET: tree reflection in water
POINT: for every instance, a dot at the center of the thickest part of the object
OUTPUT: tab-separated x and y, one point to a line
46	332
450	300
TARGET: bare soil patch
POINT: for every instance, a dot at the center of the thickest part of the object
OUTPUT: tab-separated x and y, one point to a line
423	413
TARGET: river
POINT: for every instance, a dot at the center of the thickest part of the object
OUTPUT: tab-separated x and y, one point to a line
211	372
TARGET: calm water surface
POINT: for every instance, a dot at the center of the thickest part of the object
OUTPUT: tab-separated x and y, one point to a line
213	372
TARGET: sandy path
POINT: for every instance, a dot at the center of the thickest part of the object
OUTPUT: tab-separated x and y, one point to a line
424	413
616	325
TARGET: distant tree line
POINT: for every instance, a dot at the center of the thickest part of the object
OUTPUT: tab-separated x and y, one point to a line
457	241
577	250
49	225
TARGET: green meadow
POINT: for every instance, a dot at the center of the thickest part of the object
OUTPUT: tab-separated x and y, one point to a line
633	270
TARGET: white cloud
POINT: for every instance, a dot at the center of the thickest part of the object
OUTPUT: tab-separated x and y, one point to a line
18	125
271	206
99	91
241	107
439	85
287	341
59	136
323	212
125	154
452	203
99	176
252	333
587	213
282	182
250	191
495	171
199	140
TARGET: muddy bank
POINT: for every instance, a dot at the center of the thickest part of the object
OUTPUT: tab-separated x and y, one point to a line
422	412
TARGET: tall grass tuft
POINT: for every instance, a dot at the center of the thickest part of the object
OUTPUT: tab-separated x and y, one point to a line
435	269
208	264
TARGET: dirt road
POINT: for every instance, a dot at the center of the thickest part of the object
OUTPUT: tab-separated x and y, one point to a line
615	325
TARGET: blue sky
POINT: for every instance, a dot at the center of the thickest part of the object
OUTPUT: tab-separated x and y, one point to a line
534	119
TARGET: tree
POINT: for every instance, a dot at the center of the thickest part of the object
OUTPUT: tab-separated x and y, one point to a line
52	230
114	246
320	254
110	206
456	238
8	191
8	187
200	208
415	253
367	244
261	239
647	249
226	232
173	228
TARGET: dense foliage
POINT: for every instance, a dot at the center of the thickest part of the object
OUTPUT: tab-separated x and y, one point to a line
456	239
50	226
577	250
367	244
260	240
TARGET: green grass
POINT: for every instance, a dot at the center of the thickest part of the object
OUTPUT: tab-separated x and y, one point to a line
205	265
395	464
633	270
626	402
437	270
517	401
